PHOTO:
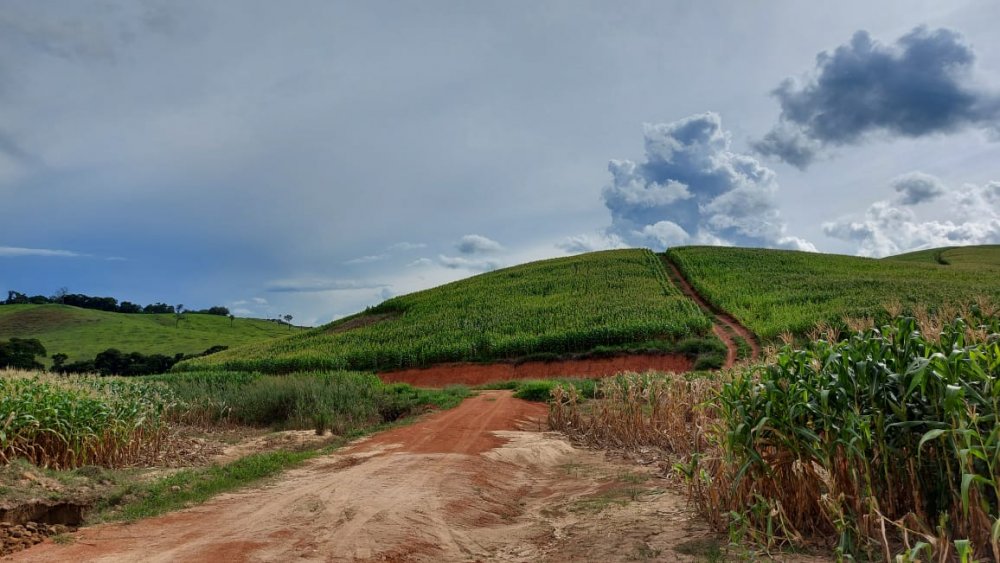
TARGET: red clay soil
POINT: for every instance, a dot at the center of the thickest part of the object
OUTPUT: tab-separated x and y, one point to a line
722	320
479	374
392	497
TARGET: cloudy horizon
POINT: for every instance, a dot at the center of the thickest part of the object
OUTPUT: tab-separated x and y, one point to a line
319	157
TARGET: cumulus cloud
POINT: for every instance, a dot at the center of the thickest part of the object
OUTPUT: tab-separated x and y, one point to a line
917	187
420	262
17	252
314	285
892	227
579	244
366	259
459	262
692	188
477	244
921	85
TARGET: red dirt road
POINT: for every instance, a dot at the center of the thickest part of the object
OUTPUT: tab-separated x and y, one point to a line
722	320
478	482
478	374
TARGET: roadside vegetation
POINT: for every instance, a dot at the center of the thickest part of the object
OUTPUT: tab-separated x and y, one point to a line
560	306
881	445
66	422
777	291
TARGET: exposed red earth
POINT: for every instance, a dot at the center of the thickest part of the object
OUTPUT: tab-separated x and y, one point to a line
478	374
478	482
722	319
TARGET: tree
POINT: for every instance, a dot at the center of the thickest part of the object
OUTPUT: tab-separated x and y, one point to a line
178	314
288	319
58	360
16	298
19	353
60	296
232	319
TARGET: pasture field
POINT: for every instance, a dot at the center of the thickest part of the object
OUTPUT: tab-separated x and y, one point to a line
967	256
82	333
774	291
559	306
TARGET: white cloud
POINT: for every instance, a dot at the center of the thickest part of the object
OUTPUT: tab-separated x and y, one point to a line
971	215
17	252
578	244
313	285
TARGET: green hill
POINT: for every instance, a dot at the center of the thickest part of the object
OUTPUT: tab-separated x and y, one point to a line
82	333
557	306
771	291
971	256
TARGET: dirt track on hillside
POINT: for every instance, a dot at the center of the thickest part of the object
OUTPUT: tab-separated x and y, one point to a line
722	320
479	374
478	482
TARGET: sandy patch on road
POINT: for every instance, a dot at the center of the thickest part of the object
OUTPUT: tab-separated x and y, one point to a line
478	482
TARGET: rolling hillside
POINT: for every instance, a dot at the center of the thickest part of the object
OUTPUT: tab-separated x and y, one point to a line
82	333
771	291
557	306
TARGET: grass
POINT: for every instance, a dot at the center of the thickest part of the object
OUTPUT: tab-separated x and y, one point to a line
559	306
776	291
82	333
959	256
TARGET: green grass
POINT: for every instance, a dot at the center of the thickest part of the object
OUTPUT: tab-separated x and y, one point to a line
83	333
342	401
558	306
772	291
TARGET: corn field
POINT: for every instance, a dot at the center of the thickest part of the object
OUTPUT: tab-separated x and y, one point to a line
774	291
70	422
563	305
883	445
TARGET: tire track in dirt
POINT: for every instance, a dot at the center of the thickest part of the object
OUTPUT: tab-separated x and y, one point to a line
724	325
477	482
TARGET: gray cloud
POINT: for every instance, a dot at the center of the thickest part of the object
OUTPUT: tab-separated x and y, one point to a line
921	85
314	285
692	188
406	246
916	187
477	244
458	262
17	252
889	228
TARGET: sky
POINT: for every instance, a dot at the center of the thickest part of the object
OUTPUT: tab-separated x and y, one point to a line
313	158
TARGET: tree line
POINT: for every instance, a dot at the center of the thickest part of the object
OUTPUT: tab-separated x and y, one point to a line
22	353
109	304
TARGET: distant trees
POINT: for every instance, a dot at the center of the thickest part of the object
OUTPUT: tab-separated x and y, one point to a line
288	320
20	353
115	362
109	304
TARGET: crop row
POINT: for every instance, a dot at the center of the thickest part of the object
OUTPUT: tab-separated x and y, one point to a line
558	306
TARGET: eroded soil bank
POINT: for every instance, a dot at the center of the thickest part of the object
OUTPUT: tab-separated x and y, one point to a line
478	482
479	374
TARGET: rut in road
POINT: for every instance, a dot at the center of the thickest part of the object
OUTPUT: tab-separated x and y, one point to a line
477	482
724	325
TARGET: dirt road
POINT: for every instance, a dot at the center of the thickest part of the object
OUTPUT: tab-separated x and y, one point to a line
478	482
724	324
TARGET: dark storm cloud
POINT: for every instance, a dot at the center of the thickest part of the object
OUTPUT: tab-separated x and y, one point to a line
920	85
916	187
692	188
